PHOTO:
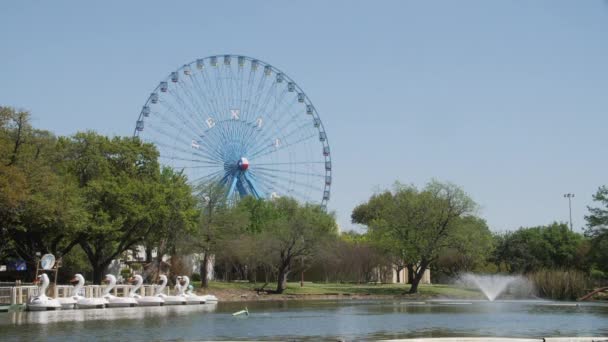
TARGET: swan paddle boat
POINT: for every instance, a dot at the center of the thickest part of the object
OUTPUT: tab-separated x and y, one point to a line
113	301
169	300
208	298
190	297
41	302
83	302
143	300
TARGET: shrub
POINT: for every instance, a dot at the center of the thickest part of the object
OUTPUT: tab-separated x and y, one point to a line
125	273
560	284
196	277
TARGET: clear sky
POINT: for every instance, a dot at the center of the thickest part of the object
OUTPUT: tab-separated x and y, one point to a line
508	99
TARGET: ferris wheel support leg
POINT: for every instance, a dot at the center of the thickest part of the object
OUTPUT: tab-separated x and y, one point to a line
232	186
254	188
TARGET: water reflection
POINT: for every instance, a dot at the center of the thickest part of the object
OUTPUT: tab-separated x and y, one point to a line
47	317
320	320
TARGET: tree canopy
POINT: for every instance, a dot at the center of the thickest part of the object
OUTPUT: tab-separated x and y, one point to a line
416	224
597	229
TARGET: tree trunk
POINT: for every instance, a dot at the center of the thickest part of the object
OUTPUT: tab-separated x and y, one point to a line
148	254
282	278
398	269
205	271
418	276
98	272
410	273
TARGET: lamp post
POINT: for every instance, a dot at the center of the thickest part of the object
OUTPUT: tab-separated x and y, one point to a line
569	196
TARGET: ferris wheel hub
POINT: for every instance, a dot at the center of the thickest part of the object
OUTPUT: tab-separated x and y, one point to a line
243	164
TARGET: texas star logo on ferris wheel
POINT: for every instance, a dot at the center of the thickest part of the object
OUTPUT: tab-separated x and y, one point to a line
241	123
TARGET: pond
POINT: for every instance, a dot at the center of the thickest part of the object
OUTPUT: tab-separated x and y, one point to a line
312	320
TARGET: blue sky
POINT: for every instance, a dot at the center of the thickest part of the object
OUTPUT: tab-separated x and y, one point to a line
507	99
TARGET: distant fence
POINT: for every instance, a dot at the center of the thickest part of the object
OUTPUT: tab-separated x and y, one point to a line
20	294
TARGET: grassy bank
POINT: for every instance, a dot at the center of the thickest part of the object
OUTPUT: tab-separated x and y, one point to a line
246	291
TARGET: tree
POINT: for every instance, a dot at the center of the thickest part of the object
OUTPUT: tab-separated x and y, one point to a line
471	246
597	229
292	233
530	249
217	223
40	208
418	223
175	218
119	180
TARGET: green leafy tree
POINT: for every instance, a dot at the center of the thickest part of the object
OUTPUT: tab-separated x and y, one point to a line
470	247
218	223
597	229
293	233
530	249
175	219
40	207
120	183
419	224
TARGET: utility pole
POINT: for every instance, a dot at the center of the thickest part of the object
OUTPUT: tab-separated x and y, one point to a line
569	196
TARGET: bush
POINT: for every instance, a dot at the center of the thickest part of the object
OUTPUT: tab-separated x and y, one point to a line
125	273
560	284
196	277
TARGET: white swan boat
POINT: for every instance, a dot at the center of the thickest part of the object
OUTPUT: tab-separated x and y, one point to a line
41	302
190	297
208	298
84	302
169	300
144	300
114	301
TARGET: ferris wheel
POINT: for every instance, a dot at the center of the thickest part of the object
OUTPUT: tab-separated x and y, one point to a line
241	123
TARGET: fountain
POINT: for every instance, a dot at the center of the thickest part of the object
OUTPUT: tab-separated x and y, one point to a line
492	285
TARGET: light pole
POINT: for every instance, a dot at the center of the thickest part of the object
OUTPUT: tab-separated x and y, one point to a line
569	196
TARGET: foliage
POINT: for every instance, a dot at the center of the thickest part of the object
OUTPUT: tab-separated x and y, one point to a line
560	284
175	217
597	229
119	179
351	258
471	245
294	233
218	223
417	224
40	208
530	249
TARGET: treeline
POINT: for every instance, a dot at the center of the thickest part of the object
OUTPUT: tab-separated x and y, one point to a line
95	198
92	199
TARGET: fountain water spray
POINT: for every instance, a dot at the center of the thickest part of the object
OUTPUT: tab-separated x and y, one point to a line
492	285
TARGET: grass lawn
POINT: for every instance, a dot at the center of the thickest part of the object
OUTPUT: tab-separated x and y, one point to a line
438	291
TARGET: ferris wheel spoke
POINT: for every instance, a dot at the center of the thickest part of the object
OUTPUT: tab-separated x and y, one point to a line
272	149
198	114
179	125
211	90
195	145
290	181
291	172
204	91
294	163
184	159
283	188
220	91
265	151
207	157
267	134
217	175
205	98
185	121
270	116
177	148
188	109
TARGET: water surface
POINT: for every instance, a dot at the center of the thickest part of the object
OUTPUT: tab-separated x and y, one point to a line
312	320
